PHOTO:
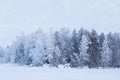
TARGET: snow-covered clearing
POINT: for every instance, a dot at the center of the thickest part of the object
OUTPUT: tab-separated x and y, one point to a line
14	72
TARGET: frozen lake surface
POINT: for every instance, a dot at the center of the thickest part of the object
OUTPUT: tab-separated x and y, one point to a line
15	72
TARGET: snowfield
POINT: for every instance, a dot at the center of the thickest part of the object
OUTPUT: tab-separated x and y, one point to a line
15	72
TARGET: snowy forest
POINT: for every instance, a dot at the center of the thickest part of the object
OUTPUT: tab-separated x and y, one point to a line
76	49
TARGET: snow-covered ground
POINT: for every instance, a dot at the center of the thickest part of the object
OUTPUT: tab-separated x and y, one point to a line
15	72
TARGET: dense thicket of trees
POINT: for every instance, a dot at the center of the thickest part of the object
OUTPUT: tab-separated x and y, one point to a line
76	49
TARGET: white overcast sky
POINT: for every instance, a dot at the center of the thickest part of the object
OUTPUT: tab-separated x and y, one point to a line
26	16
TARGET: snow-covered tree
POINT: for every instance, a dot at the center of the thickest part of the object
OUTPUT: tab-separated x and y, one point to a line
115	47
62	41
94	50
74	50
105	54
84	56
38	48
52	52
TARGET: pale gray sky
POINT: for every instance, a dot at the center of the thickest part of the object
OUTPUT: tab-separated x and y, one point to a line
26	16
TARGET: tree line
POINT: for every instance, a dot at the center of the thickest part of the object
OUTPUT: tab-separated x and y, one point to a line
76	49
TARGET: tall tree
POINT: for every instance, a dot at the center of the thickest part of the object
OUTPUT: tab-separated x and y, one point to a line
52	51
37	52
94	50
74	50
105	54
84	57
115	47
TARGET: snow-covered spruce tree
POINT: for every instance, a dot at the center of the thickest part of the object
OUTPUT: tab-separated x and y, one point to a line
62	41
94	50
105	54
65	40
84	56
115	47
101	40
79	36
53	52
75	58
111	46
113	43
83	47
58	48
37	49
